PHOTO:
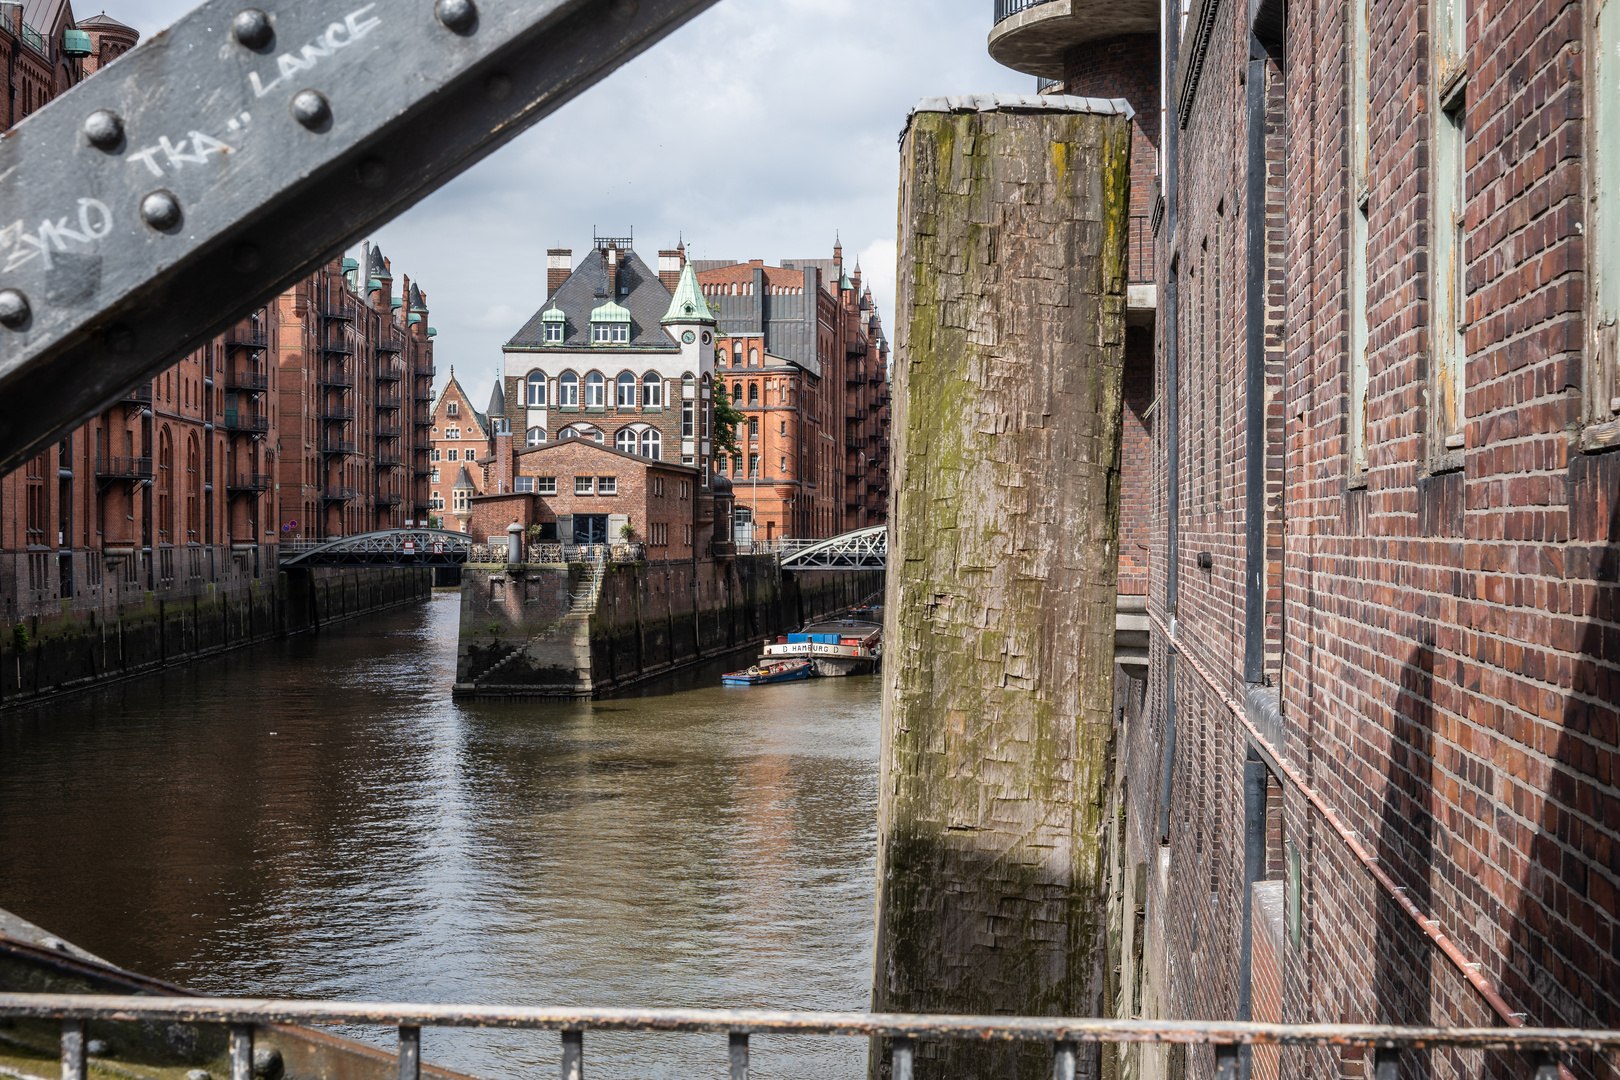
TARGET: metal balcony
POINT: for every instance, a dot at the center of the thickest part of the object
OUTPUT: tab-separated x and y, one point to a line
246	382
342	313
336	377
389	344
389	431
1033	36
389	498
248	422
388	402
336	413
141	394
253	482
339	494
337	446
246	339
338	348
123	468
389	372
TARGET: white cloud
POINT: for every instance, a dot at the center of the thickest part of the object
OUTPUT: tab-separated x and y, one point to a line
759	130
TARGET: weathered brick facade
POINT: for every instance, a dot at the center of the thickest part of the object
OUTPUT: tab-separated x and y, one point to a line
1405	576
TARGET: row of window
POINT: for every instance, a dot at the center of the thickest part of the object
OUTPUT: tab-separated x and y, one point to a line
453	454
648	443
651	386
613	333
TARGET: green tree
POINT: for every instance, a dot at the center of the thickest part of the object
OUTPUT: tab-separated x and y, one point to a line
726	418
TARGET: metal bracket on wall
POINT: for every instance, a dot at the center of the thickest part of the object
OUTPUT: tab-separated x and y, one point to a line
213	166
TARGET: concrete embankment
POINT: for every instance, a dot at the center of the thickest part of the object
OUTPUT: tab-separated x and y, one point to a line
578	630
44	656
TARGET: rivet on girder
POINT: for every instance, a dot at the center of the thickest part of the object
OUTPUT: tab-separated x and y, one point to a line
14	310
161	210
104	128
459	16
252	28
310	108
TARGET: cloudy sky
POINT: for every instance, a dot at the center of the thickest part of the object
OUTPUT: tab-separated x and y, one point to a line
759	130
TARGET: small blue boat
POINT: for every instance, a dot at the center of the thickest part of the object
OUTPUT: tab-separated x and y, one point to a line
780	671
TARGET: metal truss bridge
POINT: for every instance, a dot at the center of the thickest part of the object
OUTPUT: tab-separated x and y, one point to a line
393	547
863	549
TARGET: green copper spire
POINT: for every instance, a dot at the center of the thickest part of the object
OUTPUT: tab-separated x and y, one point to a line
688	304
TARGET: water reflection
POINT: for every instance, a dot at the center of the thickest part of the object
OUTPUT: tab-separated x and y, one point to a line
318	819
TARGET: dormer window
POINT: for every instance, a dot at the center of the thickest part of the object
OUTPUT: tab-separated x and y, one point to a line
553	321
610	325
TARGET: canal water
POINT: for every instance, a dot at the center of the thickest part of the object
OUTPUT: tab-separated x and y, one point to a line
317	819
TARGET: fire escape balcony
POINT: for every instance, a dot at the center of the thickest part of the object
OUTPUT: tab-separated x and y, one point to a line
337	413
250	423
338	348
253	483
389	344
123	468
339	494
340	313
388	429
389	498
388	402
389	373
336	376
1032	36
246	339
337	446
246	382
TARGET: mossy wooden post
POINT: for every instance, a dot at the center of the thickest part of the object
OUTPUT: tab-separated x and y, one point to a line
1003	552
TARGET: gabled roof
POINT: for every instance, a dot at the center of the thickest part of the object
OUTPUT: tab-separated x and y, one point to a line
603	448
587	289
688	304
477	417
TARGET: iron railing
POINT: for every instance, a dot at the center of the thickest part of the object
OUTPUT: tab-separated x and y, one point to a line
124	468
902	1031
389	372
246	421
628	552
249	482
251	339
1139	267
248	381
1006	9
1043	85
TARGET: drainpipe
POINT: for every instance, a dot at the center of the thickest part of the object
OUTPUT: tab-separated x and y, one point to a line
1170	131
1254	584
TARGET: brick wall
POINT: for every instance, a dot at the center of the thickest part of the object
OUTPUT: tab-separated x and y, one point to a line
648	492
1443	637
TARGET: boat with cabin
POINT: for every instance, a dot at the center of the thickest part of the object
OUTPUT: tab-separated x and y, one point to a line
833	647
768	671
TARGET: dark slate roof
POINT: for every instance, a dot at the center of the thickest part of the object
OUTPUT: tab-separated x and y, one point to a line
497	401
417	303
103	21
378	268
463	479
586	289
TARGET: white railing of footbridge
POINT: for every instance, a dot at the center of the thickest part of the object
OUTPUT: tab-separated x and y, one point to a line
862	549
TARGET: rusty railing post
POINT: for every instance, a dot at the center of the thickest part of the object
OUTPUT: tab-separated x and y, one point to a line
410	1052
241	1052
73	1066
573	1055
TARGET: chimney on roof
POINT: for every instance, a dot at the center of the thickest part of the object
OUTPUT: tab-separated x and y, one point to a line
559	264
669	268
610	260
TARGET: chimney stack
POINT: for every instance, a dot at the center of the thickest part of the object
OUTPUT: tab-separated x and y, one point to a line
559	264
669	268
610	259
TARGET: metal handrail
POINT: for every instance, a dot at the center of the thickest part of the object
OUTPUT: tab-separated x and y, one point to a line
1006	9
905	1030
1139	260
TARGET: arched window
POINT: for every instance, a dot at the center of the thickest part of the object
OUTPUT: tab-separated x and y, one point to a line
583	431
567	433
165	486
753	393
626	398
537	388
193	490
736	393
568	390
651	444
652	390
736	354
625	441
594	390
753	357
536	436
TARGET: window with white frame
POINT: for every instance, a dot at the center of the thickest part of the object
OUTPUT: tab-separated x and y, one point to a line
434	477
523	484
625	441
535	436
625	387
686	419
554	332
451	408
584	485
453	454
545	485
537	389
652	391
459	496
652	444
607	485
433	455
594	390
568	390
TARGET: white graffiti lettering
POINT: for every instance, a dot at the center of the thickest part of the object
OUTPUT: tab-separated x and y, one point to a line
95	223
177	155
339	35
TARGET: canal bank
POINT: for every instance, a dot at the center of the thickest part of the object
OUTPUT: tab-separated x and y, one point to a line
45	656
580	630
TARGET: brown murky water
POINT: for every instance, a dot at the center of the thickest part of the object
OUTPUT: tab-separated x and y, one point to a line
318	819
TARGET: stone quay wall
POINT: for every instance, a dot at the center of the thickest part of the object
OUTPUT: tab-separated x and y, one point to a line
44	655
557	631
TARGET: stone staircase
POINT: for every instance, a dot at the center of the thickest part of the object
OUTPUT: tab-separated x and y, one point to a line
578	618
